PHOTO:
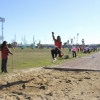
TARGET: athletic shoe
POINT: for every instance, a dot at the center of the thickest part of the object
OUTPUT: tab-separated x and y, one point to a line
54	60
5	71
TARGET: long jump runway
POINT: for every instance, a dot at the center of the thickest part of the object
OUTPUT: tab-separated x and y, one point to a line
89	62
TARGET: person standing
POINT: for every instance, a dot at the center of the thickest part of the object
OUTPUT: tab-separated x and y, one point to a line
57	47
73	51
4	55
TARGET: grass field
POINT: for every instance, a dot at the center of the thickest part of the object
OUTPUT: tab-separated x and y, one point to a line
28	58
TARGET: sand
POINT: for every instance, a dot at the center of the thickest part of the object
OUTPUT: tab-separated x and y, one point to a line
50	84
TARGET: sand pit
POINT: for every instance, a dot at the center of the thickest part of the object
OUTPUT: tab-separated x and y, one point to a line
49	84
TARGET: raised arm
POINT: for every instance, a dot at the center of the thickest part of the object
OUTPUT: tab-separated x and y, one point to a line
53	36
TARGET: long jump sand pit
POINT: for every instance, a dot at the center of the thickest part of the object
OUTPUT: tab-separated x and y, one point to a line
50	84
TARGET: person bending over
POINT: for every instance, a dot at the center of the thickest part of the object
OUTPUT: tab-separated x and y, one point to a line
57	47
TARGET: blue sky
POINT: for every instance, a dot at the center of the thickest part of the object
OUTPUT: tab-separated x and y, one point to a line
39	18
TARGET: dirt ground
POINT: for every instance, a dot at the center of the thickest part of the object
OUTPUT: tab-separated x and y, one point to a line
50	84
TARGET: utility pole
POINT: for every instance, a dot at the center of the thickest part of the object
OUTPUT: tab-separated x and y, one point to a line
77	38
2	20
33	43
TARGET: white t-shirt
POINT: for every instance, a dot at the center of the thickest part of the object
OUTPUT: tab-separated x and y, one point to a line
73	48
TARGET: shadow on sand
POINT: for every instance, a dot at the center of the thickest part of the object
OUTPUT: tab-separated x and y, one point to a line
69	69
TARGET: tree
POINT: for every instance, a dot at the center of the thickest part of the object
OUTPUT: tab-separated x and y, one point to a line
14	44
9	45
65	43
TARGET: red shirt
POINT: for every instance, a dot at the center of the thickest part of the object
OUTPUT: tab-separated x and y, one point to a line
4	53
58	44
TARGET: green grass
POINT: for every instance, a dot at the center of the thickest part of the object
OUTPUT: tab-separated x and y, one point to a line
28	58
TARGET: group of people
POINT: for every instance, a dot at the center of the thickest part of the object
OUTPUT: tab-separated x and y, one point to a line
54	52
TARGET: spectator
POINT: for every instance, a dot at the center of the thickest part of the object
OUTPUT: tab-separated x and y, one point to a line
4	54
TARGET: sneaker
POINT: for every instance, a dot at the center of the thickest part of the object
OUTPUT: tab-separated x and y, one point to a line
54	60
6	72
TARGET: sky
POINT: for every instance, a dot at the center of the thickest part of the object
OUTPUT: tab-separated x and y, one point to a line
25	19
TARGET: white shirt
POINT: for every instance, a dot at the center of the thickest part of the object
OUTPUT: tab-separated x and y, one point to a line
73	48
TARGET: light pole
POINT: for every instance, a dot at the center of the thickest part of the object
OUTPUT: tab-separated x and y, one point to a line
2	20
71	41
83	42
74	40
77	38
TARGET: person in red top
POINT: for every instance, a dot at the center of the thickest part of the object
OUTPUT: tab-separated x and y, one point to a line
57	48
4	55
